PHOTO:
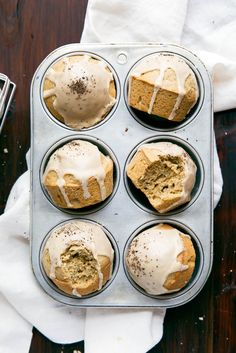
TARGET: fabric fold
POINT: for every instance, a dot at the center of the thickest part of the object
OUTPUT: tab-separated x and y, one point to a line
134	21
12	322
133	331
18	283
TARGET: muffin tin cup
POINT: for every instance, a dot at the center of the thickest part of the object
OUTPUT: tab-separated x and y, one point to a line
51	287
102	148
109	113
155	122
141	200
123	213
198	263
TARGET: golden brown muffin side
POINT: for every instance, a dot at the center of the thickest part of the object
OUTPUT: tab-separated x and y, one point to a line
178	280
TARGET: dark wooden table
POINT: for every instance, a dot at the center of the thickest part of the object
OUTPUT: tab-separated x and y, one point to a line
29	30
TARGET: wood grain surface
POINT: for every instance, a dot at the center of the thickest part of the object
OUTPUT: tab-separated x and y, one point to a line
30	30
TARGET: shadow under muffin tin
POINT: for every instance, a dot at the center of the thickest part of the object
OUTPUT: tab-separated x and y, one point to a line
125	213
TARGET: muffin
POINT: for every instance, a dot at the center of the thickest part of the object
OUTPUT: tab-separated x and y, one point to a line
79	91
78	258
163	85
161	259
78	175
165	173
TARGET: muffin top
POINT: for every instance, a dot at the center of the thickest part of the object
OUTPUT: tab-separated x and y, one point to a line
166	72
153	255
79	89
82	160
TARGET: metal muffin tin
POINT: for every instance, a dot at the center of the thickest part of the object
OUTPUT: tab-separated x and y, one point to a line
126	213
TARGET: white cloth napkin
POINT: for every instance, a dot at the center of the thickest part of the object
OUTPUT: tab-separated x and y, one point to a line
206	28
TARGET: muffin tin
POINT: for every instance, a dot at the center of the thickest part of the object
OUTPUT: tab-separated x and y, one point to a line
126	212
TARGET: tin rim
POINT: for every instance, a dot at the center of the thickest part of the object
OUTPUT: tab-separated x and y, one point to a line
199	262
116	82
138	197
161	124
103	147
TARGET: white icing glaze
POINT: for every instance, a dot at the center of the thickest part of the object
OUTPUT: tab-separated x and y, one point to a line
189	176
152	256
163	148
74	292
163	62
80	233
81	159
89	101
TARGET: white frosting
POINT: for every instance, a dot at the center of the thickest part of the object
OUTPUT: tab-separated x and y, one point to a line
76	293
163	148
189	175
81	159
85	234
81	91
152	256
163	62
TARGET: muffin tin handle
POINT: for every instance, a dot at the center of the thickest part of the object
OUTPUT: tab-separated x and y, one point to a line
6	95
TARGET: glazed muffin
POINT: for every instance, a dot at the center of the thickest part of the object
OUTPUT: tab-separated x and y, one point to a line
161	259
78	258
163	85
165	173
78	175
79	91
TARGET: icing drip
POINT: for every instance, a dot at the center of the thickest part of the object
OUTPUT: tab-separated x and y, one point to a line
152	256
81	159
83	235
74	292
157	87
81	91
162	63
